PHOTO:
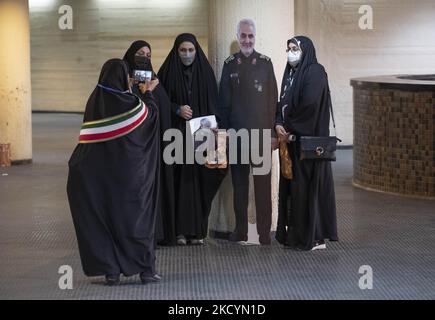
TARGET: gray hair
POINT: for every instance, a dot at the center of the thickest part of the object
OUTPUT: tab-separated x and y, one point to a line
248	22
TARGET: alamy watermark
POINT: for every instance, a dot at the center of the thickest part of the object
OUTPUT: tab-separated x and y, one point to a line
244	146
66	278
65	21
366	281
366	20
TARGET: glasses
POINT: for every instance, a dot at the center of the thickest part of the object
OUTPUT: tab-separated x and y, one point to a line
293	49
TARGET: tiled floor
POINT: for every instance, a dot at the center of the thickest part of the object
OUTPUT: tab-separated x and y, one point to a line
394	236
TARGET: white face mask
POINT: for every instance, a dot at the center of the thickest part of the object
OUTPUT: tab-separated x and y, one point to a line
294	58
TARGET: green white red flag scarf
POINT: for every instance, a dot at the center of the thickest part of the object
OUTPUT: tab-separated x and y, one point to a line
113	127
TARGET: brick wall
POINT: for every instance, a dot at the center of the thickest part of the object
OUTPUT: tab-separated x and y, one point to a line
394	148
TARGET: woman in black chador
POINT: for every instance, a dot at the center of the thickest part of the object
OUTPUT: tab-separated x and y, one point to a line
307	214
191	86
138	57
113	179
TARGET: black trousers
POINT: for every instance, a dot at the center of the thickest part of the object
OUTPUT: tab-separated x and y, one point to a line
263	202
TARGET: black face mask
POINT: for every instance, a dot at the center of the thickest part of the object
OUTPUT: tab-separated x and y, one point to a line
142	63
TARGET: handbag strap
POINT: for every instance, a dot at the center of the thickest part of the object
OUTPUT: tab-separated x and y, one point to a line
330	104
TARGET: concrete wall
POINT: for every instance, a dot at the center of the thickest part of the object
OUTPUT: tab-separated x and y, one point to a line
101	30
402	41
15	84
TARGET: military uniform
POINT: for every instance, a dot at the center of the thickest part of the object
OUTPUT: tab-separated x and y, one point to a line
248	97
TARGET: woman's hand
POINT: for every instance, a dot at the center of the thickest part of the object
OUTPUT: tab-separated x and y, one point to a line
282	134
148	86
186	113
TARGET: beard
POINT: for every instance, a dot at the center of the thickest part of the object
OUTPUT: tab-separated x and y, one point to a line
247	51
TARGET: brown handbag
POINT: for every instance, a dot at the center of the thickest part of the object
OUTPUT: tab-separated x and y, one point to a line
286	161
218	159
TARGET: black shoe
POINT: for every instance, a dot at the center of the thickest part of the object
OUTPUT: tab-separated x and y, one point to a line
234	237
113	280
146	278
265	240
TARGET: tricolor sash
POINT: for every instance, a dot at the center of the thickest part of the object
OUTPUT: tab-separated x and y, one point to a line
113	127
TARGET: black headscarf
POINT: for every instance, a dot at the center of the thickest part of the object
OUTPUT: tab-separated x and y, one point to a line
308	111
129	56
310	215
308	58
203	84
101	103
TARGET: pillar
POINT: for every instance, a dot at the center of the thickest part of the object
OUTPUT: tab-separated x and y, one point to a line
15	88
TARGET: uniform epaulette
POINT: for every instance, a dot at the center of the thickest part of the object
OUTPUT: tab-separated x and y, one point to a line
230	58
265	57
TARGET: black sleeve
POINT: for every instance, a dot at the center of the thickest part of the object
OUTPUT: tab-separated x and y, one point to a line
223	109
279	121
175	108
150	102
279	118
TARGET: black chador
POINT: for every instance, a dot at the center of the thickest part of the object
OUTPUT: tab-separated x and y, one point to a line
165	227
113	179
195	186
307	213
